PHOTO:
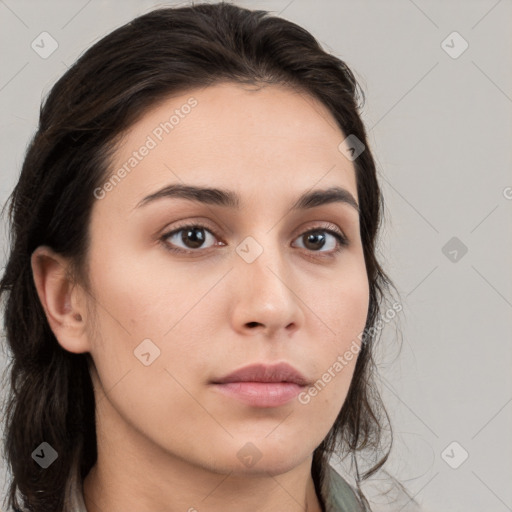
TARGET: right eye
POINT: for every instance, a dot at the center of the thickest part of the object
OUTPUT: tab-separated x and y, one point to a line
193	236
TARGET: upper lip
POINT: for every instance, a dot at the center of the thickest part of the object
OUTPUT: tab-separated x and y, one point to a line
282	372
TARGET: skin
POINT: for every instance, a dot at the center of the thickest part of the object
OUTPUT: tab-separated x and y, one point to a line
167	439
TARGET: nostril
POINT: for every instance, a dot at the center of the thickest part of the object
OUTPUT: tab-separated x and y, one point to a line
253	324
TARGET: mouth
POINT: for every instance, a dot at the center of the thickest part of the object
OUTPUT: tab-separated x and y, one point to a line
262	385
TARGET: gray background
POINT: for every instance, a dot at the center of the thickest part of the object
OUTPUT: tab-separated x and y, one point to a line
440	128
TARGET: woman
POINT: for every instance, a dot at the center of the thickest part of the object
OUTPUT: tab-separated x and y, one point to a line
192	292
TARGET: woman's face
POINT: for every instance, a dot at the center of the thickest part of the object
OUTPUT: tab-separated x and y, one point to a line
176	311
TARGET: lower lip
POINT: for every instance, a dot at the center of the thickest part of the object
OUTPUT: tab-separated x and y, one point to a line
261	394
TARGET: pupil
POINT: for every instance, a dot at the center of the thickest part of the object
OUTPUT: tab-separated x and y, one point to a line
314	236
196	241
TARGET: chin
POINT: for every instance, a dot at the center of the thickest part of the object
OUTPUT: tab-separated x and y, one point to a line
266	456
272	467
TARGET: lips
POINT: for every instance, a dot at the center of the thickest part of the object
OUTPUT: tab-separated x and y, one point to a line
262	386
279	373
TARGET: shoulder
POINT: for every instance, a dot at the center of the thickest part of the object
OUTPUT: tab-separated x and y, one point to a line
383	493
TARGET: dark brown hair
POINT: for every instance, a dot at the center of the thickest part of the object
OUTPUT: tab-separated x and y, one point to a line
159	54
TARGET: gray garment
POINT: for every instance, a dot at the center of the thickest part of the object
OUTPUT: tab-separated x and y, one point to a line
340	496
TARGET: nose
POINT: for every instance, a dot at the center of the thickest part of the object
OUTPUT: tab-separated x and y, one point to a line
264	300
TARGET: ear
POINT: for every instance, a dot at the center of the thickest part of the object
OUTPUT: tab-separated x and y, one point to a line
64	303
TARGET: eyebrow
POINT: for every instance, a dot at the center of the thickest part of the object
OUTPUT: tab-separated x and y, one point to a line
229	199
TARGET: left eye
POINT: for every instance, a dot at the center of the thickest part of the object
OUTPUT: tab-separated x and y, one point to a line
195	236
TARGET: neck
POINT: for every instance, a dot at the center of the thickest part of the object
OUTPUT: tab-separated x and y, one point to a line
104	490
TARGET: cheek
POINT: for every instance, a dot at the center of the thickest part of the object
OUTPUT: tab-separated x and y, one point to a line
136	301
141	298
343	309
342	305
143	348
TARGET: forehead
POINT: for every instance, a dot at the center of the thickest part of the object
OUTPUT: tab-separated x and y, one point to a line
237	137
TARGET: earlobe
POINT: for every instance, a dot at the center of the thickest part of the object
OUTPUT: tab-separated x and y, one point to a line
62	300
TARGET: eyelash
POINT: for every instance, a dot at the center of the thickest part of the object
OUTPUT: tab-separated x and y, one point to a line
342	241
